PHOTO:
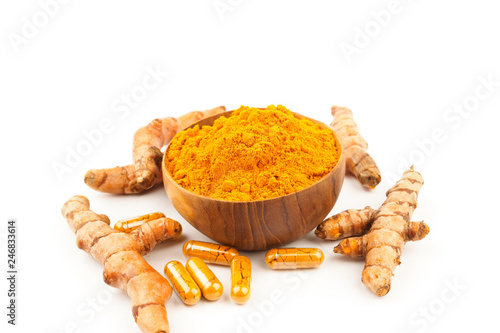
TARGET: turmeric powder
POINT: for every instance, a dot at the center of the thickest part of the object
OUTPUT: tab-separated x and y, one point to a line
253	154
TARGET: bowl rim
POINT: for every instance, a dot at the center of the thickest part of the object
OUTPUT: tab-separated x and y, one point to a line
165	172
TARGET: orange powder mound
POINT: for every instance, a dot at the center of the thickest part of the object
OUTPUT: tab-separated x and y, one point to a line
253	154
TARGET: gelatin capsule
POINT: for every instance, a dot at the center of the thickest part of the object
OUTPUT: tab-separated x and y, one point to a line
209	252
183	283
241	269
209	284
130	224
293	258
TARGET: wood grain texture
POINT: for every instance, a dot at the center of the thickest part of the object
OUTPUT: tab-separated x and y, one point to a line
262	224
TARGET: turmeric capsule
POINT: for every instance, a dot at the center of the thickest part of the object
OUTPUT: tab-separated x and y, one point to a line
183	283
130	224
293	258
241	268
209	284
209	252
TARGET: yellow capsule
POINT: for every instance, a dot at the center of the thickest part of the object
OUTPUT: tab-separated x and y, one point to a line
205	279
241	269
293	258
130	224
209	252
183	283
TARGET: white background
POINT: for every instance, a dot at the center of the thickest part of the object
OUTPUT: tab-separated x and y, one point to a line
405	83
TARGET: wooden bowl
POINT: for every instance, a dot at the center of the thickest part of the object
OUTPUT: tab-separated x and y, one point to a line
261	224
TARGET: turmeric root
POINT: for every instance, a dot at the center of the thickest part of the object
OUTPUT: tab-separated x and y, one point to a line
358	161
350	222
146	170
121	255
117	180
383	244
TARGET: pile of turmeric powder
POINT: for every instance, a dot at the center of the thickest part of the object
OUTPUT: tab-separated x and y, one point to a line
253	154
